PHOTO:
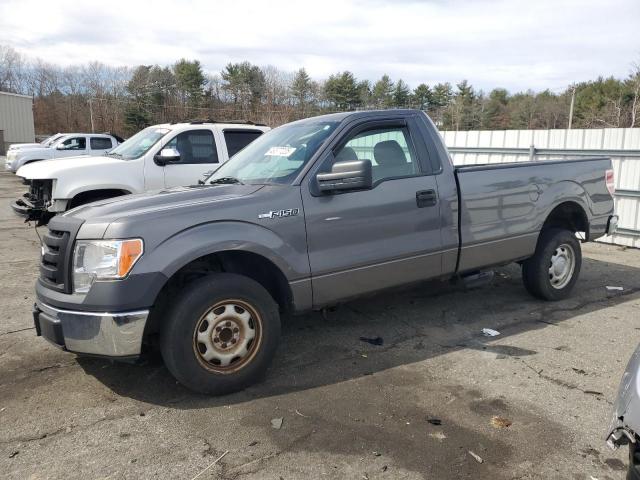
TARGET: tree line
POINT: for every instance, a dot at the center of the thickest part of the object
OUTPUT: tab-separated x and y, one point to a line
124	100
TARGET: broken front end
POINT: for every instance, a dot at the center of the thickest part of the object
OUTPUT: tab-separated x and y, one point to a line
625	419
34	205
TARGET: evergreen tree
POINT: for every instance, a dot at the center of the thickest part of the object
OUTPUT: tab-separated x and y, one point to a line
382	93
401	94
342	91
422	96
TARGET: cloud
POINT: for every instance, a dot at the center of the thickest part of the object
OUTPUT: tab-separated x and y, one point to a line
492	43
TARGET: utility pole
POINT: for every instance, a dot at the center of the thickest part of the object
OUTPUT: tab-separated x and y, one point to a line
573	99
91	115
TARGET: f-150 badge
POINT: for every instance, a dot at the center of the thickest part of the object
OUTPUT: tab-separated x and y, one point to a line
287	212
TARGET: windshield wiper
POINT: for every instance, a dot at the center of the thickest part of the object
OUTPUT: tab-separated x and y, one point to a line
226	180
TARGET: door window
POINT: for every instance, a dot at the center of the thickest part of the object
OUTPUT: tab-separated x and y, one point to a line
100	143
75	143
195	146
386	148
236	140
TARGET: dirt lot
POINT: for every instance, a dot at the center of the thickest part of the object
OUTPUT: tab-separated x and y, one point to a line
348	409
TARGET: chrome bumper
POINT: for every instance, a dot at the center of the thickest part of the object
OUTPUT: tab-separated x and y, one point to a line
94	333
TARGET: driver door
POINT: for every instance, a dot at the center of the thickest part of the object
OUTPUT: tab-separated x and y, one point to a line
365	240
198	154
72	147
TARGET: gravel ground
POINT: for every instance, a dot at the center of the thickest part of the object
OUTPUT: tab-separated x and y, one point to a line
415	407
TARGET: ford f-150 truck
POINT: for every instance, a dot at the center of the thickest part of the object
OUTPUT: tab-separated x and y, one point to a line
309	215
166	155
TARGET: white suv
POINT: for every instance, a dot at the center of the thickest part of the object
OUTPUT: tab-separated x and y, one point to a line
161	156
68	145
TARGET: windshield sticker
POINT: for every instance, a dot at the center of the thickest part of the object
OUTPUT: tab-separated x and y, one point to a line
280	151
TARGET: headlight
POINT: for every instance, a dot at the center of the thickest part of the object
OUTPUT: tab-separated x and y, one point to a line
103	260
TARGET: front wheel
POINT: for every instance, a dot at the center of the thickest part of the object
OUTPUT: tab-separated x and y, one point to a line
553	270
221	334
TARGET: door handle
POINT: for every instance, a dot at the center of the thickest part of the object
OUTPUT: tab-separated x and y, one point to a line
426	198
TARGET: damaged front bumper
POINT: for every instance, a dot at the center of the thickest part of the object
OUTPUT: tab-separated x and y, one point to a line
625	418
32	206
28	210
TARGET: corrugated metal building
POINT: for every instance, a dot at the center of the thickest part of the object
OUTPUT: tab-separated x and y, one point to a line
16	120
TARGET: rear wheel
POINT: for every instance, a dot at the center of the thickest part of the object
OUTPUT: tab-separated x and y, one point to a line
221	334
553	270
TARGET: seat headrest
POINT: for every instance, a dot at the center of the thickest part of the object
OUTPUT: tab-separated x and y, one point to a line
347	154
389	153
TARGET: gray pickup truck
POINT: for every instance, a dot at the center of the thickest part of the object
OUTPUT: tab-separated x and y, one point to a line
311	214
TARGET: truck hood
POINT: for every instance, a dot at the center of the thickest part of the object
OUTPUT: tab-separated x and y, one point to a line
148	203
22	146
51	169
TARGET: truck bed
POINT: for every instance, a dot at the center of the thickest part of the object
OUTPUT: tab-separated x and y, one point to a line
503	206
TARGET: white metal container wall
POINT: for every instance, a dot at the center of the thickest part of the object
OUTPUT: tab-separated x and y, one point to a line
16	118
627	167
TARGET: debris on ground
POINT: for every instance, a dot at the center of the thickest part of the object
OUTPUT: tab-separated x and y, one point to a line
490	332
613	289
434	421
384	469
476	457
301	414
579	370
211	464
500	422
438	435
254	443
14	453
376	454
276	423
373	341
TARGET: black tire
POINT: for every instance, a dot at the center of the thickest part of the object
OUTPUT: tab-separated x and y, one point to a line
184	354
538	280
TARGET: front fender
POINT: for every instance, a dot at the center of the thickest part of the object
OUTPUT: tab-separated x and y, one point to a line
60	194
182	248
22	161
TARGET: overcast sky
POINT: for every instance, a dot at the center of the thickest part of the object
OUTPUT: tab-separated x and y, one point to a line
514	44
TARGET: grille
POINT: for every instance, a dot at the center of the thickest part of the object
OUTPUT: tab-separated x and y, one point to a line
53	271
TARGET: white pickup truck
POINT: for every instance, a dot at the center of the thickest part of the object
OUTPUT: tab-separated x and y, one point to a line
67	145
47	142
161	156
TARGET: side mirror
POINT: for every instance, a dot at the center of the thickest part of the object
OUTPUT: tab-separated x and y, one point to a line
352	175
60	146
167	155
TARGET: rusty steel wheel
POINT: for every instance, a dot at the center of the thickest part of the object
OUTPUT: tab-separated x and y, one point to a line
227	336
220	334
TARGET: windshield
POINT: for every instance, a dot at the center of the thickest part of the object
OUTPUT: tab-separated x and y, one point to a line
277	156
139	144
49	141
